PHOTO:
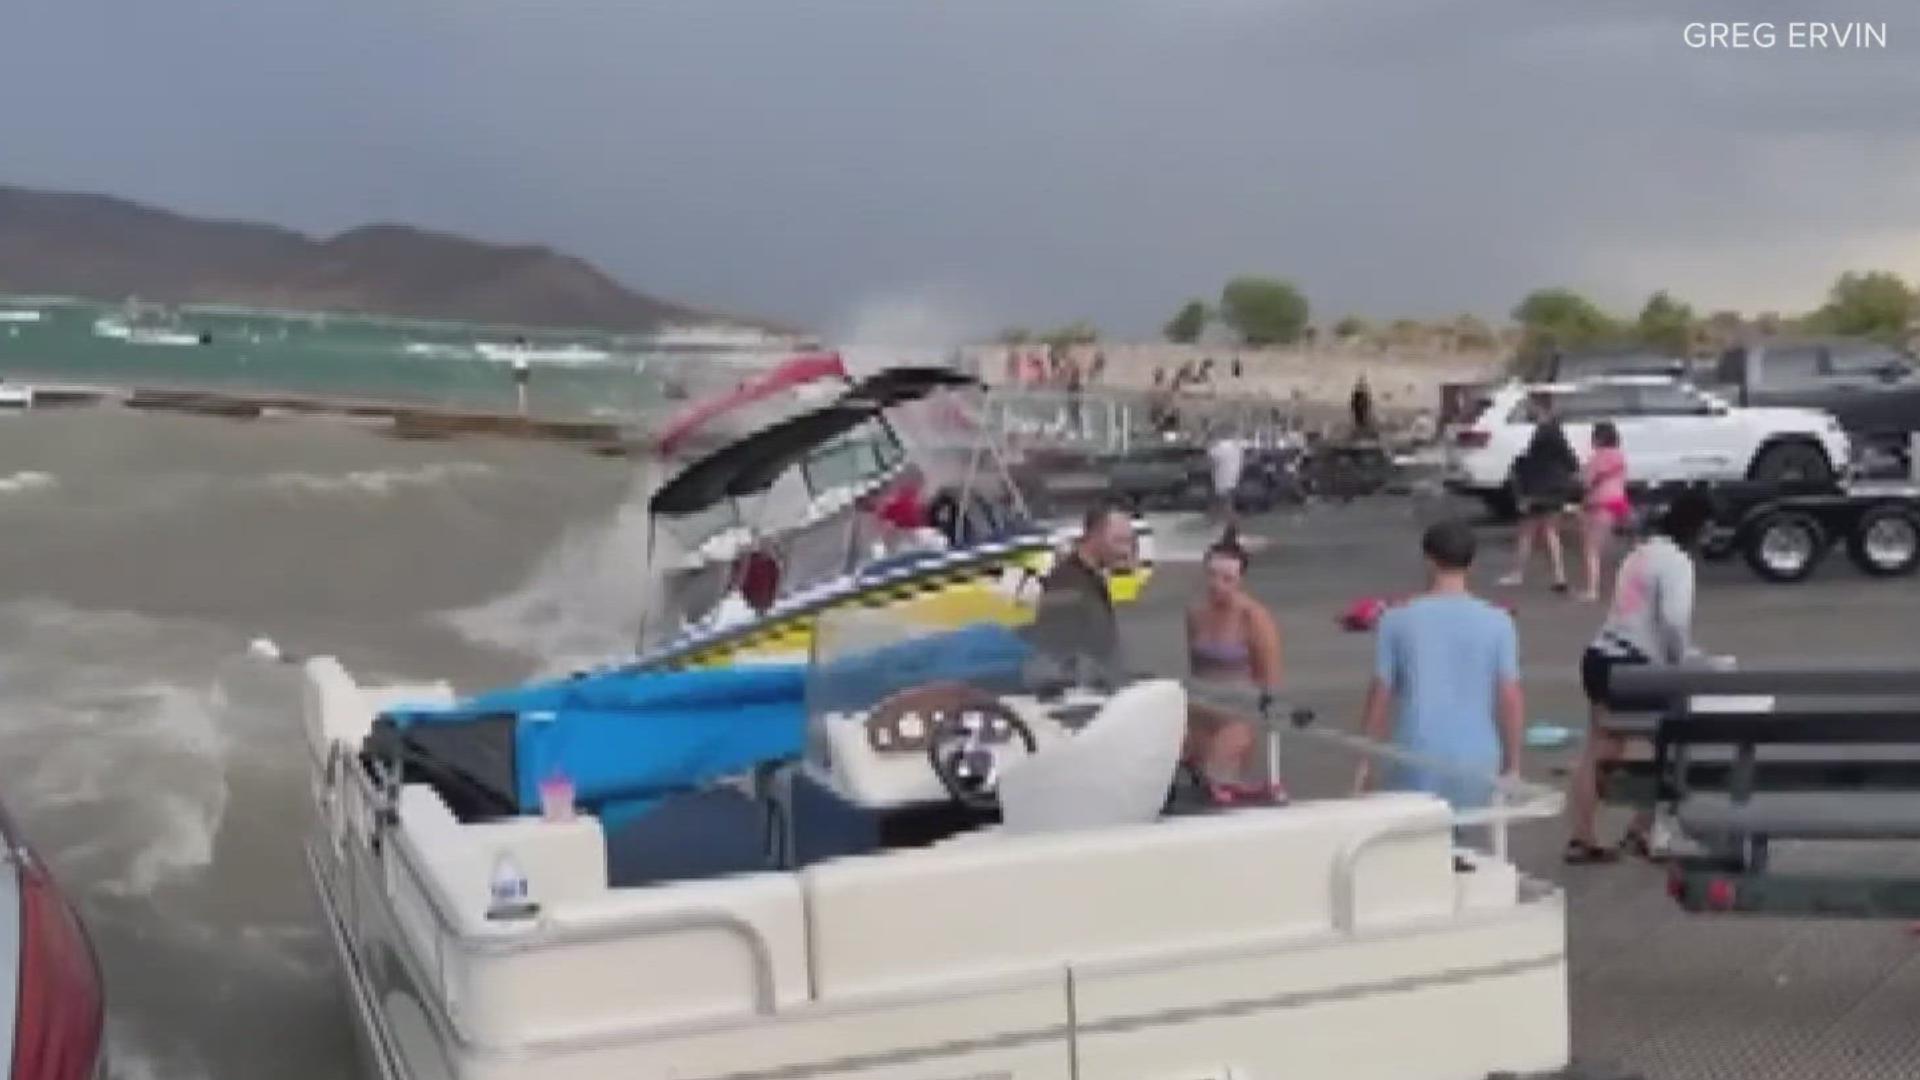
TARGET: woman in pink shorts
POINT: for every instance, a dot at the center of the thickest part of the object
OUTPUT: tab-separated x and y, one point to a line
1605	505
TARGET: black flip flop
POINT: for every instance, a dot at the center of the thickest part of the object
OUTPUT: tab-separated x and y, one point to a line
1581	853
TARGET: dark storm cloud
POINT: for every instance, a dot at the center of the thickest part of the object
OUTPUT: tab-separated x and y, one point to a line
1015	161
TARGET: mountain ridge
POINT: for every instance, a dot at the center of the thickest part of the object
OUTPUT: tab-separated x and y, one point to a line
108	248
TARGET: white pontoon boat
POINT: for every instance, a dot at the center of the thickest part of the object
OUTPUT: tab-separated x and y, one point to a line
965	873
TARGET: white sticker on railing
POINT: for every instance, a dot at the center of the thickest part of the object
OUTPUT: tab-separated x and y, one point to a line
1733	703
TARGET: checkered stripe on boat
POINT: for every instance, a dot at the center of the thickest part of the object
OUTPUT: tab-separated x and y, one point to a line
789	625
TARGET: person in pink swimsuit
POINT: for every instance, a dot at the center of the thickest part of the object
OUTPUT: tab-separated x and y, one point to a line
1605	505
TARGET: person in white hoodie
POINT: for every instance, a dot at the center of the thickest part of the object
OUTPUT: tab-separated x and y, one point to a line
1650	622
1228	456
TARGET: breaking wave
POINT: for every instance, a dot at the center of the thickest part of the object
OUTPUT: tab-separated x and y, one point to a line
584	601
106	725
375	481
15	483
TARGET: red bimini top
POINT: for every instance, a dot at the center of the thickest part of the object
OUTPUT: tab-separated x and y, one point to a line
797	371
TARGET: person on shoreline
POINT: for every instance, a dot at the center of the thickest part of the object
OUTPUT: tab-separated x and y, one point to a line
1650	622
522	375
1227	453
1233	645
1544	477
1446	682
1605	506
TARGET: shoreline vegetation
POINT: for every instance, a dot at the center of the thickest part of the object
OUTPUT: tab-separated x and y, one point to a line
1264	327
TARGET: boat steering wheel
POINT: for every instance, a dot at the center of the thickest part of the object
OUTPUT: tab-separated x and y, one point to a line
964	726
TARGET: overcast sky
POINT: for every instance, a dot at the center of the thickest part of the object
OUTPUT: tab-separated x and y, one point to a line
977	163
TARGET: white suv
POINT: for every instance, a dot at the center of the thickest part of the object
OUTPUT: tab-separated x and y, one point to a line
1669	430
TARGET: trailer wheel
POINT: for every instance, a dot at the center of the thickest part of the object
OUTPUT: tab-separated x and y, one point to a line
1785	547
1886	541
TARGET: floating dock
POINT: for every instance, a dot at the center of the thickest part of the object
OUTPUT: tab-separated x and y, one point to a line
399	419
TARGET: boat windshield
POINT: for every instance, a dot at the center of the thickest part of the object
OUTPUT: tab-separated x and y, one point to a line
856	458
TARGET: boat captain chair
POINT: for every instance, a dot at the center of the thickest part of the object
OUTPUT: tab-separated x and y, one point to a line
1115	771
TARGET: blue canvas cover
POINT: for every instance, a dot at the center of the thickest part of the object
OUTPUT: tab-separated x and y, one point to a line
987	655
626	738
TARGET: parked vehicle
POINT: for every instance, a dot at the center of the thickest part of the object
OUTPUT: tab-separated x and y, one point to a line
1581	365
1871	388
1160	476
51	1002
1669	430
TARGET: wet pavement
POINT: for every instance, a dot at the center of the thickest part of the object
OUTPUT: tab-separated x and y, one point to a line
1656	992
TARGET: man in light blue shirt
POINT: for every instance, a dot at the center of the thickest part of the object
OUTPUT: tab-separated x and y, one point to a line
1446	682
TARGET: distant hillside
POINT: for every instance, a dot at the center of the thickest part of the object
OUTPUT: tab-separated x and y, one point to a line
110	249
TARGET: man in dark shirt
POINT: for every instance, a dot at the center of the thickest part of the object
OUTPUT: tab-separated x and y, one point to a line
1075	626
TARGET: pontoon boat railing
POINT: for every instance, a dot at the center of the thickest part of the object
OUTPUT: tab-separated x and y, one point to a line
1514	798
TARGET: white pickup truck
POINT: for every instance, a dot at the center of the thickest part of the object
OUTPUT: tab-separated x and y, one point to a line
1669	430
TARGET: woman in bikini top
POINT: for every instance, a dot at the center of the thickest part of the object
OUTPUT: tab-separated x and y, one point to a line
1232	643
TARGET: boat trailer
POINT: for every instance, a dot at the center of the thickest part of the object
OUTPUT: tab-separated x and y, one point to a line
1742	760
1784	530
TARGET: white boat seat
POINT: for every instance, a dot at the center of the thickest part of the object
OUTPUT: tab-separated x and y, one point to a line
1804	815
1114	771
1008	902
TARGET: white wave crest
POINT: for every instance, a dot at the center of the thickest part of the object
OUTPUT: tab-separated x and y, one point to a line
374	481
15	483
438	350
572	354
584	601
118	720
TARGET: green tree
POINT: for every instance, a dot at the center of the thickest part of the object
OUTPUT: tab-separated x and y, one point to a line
1353	326
1015	335
1552	319
1666	323
1264	311
1185	328
1877	304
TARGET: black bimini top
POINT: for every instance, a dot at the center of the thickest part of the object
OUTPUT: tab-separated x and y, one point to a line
751	465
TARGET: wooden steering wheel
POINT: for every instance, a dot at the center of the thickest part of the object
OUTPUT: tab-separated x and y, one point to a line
956	726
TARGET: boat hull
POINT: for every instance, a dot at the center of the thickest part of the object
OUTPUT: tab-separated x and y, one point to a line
995	582
372	1041
435	1008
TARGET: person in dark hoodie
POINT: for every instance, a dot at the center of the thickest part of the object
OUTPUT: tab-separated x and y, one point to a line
1546	481
1074	629
1360	403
